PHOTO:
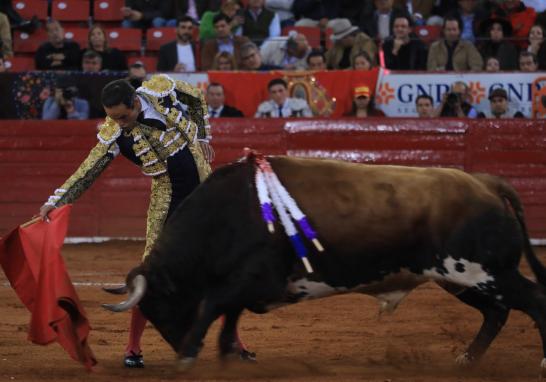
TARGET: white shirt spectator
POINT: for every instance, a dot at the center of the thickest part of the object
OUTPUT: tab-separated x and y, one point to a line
185	56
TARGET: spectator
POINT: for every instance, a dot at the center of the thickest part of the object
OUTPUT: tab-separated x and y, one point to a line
379	21
251	59
363	104
522	19
195	8
498	101
216	103
112	58
57	53
316	60
451	53
136	74
362	61
91	62
537	45
419	10
528	62
5	36
148	13
230	8
283	9
179	55
290	53
260	23
315	13
424	105
280	105
492	65
15	19
404	50
224	61
472	16
65	103
456	103
225	41
348	41
497	30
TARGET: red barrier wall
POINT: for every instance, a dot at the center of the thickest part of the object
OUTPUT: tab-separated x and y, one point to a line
36	157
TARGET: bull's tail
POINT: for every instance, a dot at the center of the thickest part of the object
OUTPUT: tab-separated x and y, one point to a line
508	194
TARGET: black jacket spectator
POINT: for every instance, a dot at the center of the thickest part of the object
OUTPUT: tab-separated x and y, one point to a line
230	112
168	57
411	56
315	9
70	50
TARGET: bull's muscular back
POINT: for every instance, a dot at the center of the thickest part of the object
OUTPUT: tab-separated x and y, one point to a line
375	206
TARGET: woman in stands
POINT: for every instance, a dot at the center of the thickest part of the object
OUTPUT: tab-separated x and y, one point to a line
537	45
112	59
362	61
224	61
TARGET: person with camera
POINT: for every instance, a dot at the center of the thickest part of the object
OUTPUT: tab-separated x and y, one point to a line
65	103
456	103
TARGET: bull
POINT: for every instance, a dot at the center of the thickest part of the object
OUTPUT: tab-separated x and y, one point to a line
385	230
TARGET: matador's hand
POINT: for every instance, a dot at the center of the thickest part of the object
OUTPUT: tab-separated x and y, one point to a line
44	211
208	151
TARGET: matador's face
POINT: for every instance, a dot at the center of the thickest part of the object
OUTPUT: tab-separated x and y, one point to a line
124	116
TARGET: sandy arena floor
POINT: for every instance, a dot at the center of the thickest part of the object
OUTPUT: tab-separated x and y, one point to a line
336	339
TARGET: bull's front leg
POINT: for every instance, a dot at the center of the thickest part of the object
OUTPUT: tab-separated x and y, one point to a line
208	313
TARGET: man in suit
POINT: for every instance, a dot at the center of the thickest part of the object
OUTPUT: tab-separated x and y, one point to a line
378	20
452	53
404	50
179	55
215	100
225	41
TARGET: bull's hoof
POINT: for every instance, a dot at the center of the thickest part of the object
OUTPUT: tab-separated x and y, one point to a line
543	369
185	364
464	360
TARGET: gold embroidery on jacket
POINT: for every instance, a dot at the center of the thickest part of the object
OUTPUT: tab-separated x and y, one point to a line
160	201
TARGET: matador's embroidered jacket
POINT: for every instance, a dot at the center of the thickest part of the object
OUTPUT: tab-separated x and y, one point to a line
174	117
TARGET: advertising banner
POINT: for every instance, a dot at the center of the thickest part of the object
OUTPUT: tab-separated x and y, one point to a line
396	91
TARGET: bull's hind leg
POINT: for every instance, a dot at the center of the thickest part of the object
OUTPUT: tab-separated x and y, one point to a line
227	340
494	318
517	292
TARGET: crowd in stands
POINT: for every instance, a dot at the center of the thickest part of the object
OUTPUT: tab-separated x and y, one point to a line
263	35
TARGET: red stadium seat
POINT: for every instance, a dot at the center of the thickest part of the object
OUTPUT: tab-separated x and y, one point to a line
29	8
28	43
155	37
428	33
78	35
70	10
108	10
19	64
150	62
126	39
312	34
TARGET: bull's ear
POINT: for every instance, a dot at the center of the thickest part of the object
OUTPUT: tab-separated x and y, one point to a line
116	290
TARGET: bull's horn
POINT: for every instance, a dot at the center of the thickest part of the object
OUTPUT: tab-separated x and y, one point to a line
116	290
139	288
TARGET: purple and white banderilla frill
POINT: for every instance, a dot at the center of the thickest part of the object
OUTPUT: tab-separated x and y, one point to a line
271	193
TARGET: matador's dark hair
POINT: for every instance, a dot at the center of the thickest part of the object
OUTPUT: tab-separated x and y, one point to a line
118	92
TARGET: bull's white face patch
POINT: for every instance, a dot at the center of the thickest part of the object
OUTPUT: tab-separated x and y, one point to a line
461	272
